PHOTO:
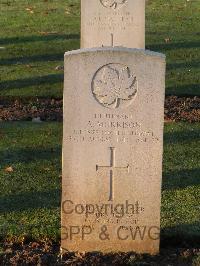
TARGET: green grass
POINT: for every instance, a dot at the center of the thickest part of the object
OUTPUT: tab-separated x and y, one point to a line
30	195
35	44
181	181
173	28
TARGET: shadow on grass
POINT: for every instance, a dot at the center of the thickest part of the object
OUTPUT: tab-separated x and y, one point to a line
34	81
184	90
28	155
184	134
188	65
173	46
38	38
182	235
181	179
32	59
30	200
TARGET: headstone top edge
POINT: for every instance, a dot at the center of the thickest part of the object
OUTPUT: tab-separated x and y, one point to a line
116	49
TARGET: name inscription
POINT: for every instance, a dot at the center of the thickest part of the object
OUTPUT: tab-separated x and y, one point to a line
111	128
114	21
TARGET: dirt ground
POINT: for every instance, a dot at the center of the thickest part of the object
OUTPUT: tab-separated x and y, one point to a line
47	253
176	109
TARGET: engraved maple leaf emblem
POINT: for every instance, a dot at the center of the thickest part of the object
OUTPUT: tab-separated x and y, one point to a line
114	84
112	3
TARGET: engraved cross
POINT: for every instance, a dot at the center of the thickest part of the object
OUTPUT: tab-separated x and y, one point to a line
112	168
112	39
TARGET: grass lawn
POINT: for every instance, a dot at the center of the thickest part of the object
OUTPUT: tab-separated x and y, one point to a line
30	195
34	35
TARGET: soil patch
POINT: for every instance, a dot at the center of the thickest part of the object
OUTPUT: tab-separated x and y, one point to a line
47	253
176	109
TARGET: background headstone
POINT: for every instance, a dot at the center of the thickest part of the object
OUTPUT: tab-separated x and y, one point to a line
112	150
113	23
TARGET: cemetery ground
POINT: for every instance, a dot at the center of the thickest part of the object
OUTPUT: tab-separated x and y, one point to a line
31	184
35	34
31	83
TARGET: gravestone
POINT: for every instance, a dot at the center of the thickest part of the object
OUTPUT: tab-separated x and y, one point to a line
113	23
112	150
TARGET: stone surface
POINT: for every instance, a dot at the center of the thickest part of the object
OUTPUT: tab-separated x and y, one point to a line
112	150
113	23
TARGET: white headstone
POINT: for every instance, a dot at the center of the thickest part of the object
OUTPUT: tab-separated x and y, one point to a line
113	23
112	150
